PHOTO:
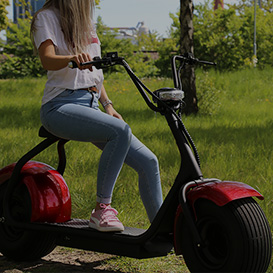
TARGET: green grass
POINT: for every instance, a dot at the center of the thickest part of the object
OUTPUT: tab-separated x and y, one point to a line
235	143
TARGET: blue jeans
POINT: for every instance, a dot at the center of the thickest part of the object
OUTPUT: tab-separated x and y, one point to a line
75	115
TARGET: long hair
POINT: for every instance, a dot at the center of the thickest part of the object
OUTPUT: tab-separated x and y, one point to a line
75	17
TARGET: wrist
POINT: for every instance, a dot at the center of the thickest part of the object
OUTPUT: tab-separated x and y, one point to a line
107	103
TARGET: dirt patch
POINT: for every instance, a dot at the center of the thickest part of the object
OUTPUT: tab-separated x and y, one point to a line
61	260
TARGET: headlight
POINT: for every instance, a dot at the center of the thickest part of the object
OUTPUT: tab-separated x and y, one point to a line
170	94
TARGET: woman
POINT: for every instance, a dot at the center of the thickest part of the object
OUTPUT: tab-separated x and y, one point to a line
63	31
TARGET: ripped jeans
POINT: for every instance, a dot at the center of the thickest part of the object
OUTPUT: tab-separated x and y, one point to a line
75	115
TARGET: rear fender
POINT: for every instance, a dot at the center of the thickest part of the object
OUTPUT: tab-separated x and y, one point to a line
49	193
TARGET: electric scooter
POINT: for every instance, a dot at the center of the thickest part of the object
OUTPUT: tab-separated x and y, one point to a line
216	225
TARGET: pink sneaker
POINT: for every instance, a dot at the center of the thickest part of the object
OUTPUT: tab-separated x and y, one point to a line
105	219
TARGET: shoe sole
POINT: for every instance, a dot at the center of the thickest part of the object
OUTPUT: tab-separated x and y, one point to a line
105	229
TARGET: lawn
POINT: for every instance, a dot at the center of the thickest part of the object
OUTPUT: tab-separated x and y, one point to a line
234	143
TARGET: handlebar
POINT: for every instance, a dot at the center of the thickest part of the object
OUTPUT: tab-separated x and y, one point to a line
188	58
112	59
160	104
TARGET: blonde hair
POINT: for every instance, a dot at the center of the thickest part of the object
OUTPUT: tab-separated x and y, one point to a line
75	18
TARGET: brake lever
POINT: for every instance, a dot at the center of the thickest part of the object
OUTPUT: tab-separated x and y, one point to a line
191	60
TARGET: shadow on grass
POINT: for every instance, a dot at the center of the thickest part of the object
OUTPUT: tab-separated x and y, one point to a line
65	261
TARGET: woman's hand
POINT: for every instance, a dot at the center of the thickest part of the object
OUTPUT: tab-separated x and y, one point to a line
109	109
82	58
51	61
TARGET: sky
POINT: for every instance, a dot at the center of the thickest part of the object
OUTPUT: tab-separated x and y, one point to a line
127	13
154	13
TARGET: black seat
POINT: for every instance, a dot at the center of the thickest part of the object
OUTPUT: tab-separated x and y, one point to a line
44	133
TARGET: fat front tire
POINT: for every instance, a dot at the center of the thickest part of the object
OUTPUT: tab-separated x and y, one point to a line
19	244
236	238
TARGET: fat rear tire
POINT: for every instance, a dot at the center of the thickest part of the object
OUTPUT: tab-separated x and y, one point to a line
19	244
236	238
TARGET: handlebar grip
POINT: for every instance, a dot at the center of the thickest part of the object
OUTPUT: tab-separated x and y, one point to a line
97	62
193	60
72	64
206	62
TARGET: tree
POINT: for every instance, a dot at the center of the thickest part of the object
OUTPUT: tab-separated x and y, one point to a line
3	14
226	36
186	46
266	5
19	59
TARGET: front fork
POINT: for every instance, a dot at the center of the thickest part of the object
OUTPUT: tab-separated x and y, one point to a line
189	217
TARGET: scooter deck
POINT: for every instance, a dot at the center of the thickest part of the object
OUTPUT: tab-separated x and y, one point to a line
82	224
132	242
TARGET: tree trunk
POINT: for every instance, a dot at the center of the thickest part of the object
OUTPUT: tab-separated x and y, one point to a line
186	46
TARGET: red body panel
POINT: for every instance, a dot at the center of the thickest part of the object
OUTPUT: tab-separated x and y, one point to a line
50	197
222	192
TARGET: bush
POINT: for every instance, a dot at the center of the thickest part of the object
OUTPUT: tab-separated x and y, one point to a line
226	36
19	60
208	94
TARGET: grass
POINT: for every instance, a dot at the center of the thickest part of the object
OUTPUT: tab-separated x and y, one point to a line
235	143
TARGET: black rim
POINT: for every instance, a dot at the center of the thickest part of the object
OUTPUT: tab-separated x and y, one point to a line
20	210
215	251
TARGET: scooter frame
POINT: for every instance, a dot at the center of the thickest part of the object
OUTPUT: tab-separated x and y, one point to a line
188	187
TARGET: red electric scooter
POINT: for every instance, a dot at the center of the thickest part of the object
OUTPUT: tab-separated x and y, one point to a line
216	225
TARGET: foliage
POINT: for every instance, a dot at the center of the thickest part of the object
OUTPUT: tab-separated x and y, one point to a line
266	5
208	94
139	61
168	48
3	14
20	61
217	37
110	44
226	36
26	5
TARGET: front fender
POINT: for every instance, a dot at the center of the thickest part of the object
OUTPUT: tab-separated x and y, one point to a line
222	192
219	192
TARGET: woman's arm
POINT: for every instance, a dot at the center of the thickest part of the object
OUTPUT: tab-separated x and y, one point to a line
51	61
109	106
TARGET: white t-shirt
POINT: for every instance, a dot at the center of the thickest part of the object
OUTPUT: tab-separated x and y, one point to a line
47	27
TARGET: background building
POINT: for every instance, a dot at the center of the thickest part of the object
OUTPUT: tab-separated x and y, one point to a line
32	7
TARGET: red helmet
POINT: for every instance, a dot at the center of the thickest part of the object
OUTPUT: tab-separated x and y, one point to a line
49	194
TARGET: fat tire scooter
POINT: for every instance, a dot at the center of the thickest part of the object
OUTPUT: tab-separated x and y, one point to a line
216	225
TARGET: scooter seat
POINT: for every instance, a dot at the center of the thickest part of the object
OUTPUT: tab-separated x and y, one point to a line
45	134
